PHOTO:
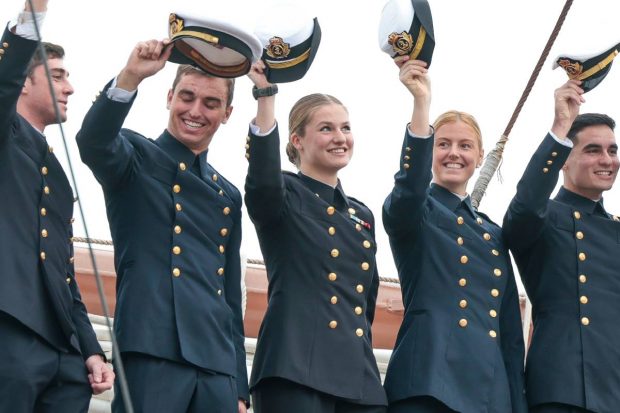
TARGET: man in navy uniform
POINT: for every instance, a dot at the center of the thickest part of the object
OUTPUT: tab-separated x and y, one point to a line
568	253
50	360
176	226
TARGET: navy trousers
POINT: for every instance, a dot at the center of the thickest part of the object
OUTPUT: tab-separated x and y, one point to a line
162	386
36	377
276	395
419	404
558	408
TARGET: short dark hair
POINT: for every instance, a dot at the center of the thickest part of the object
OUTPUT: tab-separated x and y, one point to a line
187	69
589	119
52	51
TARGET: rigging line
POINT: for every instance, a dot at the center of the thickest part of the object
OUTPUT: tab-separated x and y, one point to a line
493	159
116	359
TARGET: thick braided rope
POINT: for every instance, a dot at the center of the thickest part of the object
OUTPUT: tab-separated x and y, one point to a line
493	160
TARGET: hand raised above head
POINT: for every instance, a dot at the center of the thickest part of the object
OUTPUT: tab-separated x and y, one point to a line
265	115
39	6
146	59
568	98
257	74
414	75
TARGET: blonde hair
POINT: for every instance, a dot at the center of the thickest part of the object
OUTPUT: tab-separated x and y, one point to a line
301	113
453	116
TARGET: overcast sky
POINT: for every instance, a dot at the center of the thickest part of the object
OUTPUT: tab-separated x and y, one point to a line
485	53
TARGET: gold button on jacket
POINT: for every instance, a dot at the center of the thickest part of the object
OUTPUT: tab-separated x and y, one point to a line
321	249
444	249
164	217
568	254
37	288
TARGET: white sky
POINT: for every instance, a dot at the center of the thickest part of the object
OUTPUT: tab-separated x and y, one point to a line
485	53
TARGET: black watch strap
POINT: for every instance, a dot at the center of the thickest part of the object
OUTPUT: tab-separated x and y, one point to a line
265	91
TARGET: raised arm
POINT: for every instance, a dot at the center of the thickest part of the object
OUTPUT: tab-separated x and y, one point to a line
402	208
524	219
101	143
264	185
16	50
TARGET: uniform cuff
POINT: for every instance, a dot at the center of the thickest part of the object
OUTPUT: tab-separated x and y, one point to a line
413	135
24	25
566	142
256	130
120	95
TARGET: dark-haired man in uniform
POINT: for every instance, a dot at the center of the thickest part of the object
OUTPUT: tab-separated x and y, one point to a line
568	253
176	226
50	360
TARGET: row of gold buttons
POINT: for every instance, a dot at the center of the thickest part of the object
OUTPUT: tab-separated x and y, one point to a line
550	162
4	46
176	250
582	278
463	282
333	277
407	158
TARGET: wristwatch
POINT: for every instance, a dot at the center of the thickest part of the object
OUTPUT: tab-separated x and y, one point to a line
265	91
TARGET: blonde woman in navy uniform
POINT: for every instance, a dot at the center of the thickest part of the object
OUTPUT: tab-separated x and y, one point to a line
314	351
460	347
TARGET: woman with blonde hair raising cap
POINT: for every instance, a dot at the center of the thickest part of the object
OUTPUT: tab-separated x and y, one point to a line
314	351
460	346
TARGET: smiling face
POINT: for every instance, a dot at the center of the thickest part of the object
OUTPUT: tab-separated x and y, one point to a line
592	165
327	143
457	152
198	106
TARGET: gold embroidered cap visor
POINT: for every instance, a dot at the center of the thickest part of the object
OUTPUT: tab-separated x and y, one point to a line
218	47
591	70
406	28
289	42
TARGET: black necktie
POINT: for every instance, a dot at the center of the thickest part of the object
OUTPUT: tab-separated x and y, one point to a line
600	210
201	170
466	206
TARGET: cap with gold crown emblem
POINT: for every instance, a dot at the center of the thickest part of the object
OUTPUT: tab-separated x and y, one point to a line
290	39
217	44
590	69
406	28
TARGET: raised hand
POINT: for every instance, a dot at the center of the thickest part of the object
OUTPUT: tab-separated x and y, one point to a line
414	75
265	114
568	99
257	74
146	59
39	6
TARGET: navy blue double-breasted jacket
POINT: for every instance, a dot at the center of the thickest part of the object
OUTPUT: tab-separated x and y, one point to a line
461	338
569	259
37	284
319	250
177	238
